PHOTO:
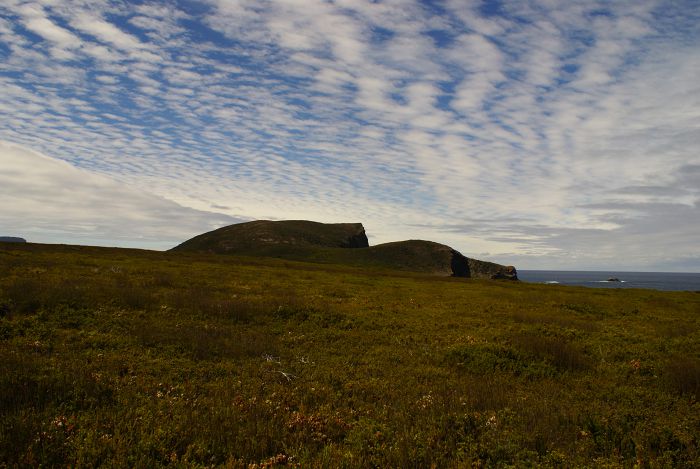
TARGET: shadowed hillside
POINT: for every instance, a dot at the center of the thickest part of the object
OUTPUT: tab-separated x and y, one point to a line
423	256
328	243
12	239
263	235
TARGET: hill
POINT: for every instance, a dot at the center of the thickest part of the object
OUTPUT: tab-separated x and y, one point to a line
12	239
421	256
264	235
329	243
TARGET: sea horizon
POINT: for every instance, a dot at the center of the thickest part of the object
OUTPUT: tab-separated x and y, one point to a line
666	281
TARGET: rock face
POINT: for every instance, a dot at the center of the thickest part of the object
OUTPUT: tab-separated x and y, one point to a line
244	238
483	269
341	243
12	239
473	268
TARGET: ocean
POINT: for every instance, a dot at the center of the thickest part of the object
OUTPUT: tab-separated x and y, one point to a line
651	280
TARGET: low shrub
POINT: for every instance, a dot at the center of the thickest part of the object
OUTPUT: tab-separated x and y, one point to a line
557	351
682	375
489	358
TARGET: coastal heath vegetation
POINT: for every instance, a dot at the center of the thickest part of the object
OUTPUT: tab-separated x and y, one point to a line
145	359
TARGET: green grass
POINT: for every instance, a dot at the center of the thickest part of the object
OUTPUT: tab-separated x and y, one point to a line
144	359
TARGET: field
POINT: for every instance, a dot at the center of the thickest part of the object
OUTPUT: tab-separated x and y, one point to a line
142	359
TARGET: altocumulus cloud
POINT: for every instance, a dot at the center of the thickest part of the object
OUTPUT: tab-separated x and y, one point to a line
543	133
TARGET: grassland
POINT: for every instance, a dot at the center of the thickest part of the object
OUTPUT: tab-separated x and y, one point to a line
145	359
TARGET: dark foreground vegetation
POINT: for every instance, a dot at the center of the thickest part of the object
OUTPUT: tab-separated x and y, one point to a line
142	359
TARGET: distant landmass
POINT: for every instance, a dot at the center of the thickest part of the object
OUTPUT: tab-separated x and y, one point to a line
340	243
12	239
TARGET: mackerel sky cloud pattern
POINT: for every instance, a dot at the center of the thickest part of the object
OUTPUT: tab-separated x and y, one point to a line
547	134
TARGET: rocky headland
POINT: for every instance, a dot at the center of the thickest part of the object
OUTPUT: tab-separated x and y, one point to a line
342	243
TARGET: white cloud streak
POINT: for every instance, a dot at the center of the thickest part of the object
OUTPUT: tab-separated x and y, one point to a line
67	204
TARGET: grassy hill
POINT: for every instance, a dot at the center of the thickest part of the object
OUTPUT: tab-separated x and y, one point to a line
261	236
327	243
412	256
138	358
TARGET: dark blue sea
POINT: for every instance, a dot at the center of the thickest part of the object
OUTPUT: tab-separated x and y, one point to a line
651	280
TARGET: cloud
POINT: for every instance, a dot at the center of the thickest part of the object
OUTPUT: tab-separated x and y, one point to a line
545	117
62	41
105	32
50	31
66	204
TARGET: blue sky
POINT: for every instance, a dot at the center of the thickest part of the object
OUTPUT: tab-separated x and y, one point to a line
546	134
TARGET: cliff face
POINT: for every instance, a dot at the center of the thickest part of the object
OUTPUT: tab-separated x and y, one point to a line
473	268
483	269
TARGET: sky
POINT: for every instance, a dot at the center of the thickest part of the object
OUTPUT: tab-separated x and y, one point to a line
547	134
